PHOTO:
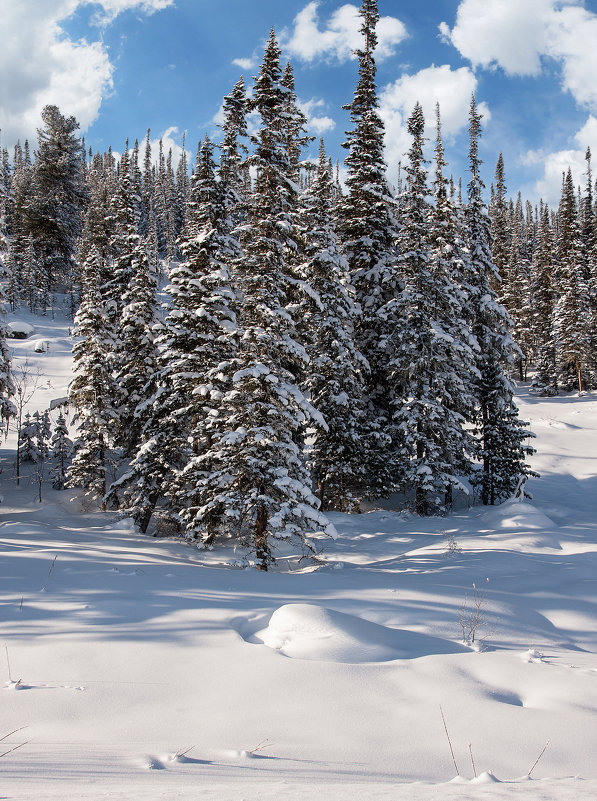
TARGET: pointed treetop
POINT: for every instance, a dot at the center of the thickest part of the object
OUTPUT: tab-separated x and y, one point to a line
370	15
475	133
440	161
476	184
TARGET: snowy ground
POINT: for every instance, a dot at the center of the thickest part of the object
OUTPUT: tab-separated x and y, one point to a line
149	670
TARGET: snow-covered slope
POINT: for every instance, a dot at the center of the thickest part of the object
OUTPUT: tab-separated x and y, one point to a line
145	669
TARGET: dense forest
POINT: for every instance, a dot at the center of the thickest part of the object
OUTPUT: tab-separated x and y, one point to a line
256	344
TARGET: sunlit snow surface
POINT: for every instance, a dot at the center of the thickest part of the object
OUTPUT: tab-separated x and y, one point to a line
146	669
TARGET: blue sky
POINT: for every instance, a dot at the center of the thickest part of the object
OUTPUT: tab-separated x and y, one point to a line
121	66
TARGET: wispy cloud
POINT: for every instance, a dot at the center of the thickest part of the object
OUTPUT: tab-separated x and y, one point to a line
245	63
340	37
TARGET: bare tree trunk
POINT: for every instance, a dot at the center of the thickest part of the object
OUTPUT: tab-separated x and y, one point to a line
262	551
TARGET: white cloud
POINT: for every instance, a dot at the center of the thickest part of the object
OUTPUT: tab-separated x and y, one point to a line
587	136
316	123
517	34
555	164
245	63
46	67
340	38
452	89
110	9
508	33
321	125
573	40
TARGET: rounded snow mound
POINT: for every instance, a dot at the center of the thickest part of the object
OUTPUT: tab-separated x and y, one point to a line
517	515
19	329
307	631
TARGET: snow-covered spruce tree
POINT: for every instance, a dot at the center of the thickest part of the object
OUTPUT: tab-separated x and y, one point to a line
516	291
91	390
137	356
98	223
43	433
160	446
175	214
501	434
17	289
35	279
432	361
134	313
160	453
124	237
572	317
181	190
233	170
7	408
293	130
500	227
457	368
589	239
203	340
334	379
160	201
28	450
293	124
96	317
18	241
195	343
165	203
5	202
368	230
544	299
54	206
257	460
61	448
147	189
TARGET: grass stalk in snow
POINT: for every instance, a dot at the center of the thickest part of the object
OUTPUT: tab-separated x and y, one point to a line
14	748
261	746
43	589
10	678
470	750
538	758
183	752
449	740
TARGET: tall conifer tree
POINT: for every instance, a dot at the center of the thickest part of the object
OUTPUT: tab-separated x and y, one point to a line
500	229
7	409
502	448
259	466
203	346
334	379
368	229
233	169
432	364
573	309
53	210
544	299
133	307
91	390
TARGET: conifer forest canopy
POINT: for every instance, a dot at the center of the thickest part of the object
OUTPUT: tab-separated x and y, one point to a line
257	344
